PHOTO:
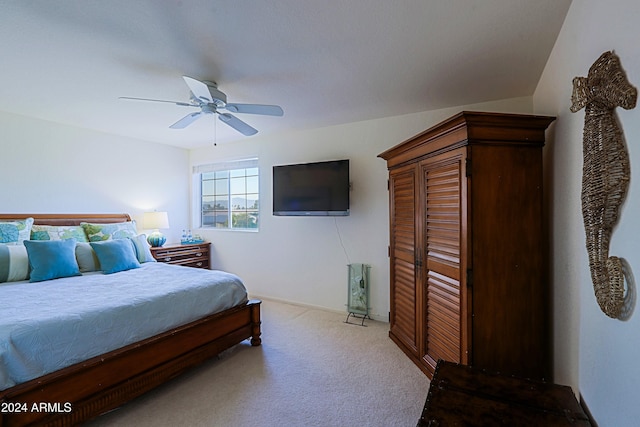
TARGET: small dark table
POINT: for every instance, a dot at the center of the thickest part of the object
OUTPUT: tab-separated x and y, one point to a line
463	396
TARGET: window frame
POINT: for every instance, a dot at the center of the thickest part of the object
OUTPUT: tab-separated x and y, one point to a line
213	175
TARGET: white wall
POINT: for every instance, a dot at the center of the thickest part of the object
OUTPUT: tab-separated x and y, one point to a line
302	260
50	168
597	355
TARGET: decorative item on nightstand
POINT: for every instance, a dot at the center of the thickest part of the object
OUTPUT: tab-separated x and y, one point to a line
190	239
156	221
358	292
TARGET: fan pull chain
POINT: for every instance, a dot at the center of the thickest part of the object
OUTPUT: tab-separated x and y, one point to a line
215	131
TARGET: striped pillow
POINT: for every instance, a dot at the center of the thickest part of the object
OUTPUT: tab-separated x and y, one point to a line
143	251
14	263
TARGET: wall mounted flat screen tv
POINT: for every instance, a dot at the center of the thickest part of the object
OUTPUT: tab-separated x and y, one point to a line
311	189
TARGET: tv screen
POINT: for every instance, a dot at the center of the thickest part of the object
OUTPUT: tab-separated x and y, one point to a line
311	189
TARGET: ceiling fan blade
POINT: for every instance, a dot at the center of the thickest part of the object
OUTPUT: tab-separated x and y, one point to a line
266	110
237	124
185	104
198	89
186	120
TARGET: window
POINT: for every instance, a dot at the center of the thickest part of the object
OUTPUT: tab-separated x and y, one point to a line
229	195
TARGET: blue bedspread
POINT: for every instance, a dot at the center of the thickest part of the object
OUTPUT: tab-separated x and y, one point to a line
47	326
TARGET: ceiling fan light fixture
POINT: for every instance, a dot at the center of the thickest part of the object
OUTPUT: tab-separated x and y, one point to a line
218	98
209	109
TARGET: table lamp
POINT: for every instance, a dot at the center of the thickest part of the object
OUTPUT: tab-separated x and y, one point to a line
156	221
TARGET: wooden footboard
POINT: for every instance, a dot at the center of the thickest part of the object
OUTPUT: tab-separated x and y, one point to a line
88	389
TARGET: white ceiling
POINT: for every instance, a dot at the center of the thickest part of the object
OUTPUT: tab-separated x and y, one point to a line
324	62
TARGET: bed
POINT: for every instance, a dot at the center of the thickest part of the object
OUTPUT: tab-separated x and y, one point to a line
87	388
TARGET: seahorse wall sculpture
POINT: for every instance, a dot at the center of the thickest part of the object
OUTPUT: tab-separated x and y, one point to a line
605	173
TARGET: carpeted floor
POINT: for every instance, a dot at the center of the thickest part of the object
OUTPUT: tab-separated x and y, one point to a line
311	370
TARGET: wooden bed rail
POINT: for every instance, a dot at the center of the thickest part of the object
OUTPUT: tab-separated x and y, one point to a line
83	391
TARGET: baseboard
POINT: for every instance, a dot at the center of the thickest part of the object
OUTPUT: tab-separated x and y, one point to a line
383	319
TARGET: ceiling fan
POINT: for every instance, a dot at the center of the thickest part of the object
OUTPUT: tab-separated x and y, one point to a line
206	96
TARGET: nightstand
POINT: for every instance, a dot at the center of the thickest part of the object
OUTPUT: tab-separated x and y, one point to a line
192	255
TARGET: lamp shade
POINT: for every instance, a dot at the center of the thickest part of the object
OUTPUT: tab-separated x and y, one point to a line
155	220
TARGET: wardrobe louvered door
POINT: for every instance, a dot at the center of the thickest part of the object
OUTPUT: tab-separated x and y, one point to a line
402	252
467	247
445	332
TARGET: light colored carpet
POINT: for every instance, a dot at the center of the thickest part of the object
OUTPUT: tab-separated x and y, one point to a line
311	370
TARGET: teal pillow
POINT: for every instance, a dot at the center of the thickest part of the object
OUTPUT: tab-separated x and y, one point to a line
51	259
115	255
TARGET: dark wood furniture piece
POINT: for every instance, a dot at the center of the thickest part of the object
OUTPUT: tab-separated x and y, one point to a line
467	247
192	255
102	383
463	396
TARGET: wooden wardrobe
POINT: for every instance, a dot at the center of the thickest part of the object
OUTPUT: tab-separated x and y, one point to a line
467	245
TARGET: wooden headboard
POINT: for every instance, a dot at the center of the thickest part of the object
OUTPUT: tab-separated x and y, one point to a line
68	219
